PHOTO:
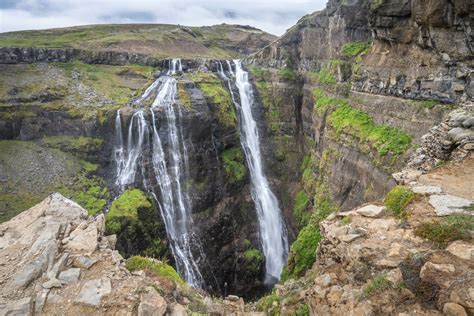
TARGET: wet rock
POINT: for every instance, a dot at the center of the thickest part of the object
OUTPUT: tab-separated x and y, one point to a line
151	303
462	249
92	292
70	275
453	309
448	204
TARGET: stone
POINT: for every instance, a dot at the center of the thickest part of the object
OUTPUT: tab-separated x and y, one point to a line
453	309
457	134
468	123
58	266
349	237
395	276
52	283
70	275
462	250
139	273
373	211
19	307
151	303
178	310
112	241
426	189
92	292
83	262
448	204
323	280
233	298
334	294
430	269
83	240
40	301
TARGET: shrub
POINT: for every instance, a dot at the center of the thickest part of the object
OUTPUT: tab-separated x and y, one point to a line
234	166
154	267
398	199
287	73
266	302
354	49
377	285
254	259
453	227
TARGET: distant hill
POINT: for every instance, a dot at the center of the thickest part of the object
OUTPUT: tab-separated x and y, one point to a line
155	40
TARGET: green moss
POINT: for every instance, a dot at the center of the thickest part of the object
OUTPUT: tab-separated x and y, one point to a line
234	164
253	259
354	49
383	138
154	267
219	96
377	285
287	73
398	199
183	96
324	102
324	76
427	104
125	208
81	146
346	220
303	310
375	4
300	208
453	227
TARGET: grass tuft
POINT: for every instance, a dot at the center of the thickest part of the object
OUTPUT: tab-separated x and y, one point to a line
354	49
398	199
453	227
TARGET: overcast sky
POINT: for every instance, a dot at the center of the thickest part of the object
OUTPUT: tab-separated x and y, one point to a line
274	16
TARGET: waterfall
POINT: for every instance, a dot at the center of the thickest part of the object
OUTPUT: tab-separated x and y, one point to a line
272	230
167	166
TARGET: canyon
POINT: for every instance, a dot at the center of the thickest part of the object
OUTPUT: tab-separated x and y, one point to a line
325	172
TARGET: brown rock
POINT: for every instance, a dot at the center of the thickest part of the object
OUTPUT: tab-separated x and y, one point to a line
453	309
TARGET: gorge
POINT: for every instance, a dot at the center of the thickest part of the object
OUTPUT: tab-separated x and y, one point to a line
325	172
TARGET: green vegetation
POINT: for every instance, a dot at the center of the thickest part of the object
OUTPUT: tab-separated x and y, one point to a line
375	4
12	204
234	164
346	220
354	49
451	228
75	145
299	209
183	96
398	199
154	267
377	285
324	76
287	73
125	208
157	40
324	102
265	304
427	104
114	82
303	310
253	259
219	96
383	138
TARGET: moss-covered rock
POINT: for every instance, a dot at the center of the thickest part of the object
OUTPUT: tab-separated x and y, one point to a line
234	164
137	223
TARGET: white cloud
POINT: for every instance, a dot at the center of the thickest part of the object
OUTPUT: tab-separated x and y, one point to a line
273	16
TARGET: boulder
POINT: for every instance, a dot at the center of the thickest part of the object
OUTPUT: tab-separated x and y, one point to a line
52	284
83	240
83	262
70	275
151	303
22	306
462	250
371	211
430	269
92	292
448	204
426	189
453	309
178	310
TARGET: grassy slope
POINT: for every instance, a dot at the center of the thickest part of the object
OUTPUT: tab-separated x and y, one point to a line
157	40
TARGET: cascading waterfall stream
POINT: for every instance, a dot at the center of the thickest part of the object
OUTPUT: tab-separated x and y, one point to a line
272	230
167	167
